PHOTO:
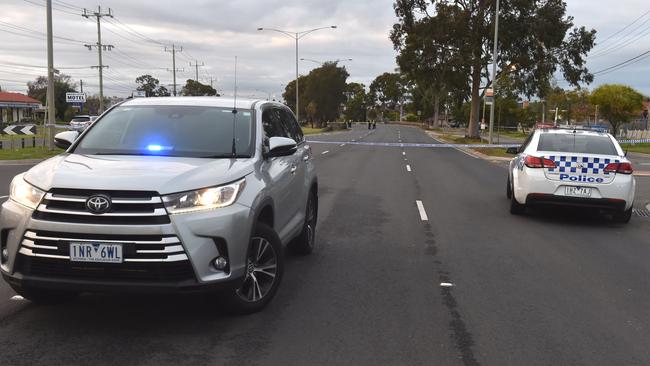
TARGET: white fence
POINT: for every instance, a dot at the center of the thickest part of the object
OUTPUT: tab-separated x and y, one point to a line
635	134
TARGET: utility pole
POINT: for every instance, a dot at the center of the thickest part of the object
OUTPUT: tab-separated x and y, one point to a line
50	78
81	82
596	116
196	65
99	15
494	69
173	70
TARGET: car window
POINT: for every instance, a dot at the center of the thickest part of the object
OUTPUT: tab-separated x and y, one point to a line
575	143
291	125
272	123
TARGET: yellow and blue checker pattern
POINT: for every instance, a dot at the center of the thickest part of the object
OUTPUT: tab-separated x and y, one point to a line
583	165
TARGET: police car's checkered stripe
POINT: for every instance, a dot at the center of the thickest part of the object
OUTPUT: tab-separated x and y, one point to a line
584	165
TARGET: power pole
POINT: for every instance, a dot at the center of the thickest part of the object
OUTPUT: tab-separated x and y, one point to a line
99	15
81	82
173	51
196	65
50	78
494	69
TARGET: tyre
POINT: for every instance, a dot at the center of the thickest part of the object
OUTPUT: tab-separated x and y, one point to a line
264	268
44	297
304	244
622	217
516	208
508	189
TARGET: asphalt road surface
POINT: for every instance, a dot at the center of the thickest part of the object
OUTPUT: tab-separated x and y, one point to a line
418	262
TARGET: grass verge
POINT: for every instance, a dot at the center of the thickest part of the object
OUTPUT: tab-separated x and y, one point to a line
28	153
313	131
638	148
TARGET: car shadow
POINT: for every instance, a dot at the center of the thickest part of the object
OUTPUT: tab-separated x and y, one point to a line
575	216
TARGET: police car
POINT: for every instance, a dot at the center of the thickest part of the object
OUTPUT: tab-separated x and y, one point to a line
571	167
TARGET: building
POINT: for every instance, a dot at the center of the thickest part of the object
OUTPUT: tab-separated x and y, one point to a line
14	107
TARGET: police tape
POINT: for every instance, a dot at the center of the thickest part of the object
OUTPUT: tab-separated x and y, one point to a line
637	141
407	144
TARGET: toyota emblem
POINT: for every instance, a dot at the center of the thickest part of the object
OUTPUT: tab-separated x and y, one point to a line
98	204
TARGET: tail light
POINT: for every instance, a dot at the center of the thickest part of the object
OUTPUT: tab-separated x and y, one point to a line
537	162
623	168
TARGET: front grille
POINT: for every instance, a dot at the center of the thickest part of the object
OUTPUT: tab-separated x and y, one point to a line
127	208
146	257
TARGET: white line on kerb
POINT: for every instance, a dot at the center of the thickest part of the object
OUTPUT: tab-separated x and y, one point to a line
423	214
324	152
408	167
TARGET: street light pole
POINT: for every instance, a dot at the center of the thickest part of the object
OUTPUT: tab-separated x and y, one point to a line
494	70
50	78
297	36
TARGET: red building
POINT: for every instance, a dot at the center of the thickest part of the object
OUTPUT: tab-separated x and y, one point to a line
14	107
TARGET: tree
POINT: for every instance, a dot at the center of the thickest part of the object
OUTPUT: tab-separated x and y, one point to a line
357	102
195	88
289	94
37	89
388	90
617	103
151	86
312	110
534	35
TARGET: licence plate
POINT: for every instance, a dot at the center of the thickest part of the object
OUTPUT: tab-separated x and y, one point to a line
96	252
578	191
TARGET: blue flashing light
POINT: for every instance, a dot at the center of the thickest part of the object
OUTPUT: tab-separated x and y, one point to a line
154	148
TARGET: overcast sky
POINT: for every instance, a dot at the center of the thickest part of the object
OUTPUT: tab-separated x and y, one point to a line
215	31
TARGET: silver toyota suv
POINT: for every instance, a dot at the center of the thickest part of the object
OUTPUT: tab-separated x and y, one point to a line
165	194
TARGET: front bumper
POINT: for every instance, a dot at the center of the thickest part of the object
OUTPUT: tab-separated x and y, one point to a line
204	236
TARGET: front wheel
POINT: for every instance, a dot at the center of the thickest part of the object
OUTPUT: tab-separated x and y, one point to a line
264	268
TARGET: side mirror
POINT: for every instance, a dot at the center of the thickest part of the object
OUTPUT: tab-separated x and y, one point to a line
63	140
281	146
512	150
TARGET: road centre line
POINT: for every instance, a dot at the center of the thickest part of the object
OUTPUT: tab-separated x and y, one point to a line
2	197
408	167
324	152
404	153
423	213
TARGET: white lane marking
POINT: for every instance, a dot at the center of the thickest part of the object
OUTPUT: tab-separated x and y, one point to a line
1	197
404	153
446	284
408	167
423	213
342	144
324	152
17	298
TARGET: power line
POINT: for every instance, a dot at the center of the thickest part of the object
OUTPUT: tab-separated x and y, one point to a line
617	46
624	63
53	8
624	28
43	35
135	33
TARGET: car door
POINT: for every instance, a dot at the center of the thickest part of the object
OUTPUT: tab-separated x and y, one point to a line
301	161
279	173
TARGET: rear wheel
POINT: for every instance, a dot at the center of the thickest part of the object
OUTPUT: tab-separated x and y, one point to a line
508	189
264	268
623	217
516	208
304	244
44	297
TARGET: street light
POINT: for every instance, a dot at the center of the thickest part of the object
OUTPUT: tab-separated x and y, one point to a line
296	36
494	68
322	62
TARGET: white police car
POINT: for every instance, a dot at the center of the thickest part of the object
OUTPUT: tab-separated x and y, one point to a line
571	167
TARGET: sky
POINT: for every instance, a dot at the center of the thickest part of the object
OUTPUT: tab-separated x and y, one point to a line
213	32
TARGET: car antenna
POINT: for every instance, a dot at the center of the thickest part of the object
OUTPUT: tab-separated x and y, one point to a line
234	115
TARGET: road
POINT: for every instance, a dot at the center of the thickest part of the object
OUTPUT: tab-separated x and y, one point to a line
418	262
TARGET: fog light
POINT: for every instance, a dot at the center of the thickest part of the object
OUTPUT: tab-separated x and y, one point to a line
220	263
5	254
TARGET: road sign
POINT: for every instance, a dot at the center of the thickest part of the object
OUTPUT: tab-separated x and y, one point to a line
489	96
75	97
19	130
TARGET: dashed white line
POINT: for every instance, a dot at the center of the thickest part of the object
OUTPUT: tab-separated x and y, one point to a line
342	145
404	153
2	197
408	167
324	152
446	284
423	213
17	298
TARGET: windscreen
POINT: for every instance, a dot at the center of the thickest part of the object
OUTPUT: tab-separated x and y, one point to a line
575	143
184	131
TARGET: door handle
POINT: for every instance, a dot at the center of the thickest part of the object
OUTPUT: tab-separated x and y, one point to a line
293	169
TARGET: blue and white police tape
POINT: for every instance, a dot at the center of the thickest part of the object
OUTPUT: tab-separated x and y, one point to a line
637	141
406	144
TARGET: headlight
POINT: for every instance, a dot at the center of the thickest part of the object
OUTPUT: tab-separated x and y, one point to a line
204	199
25	193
